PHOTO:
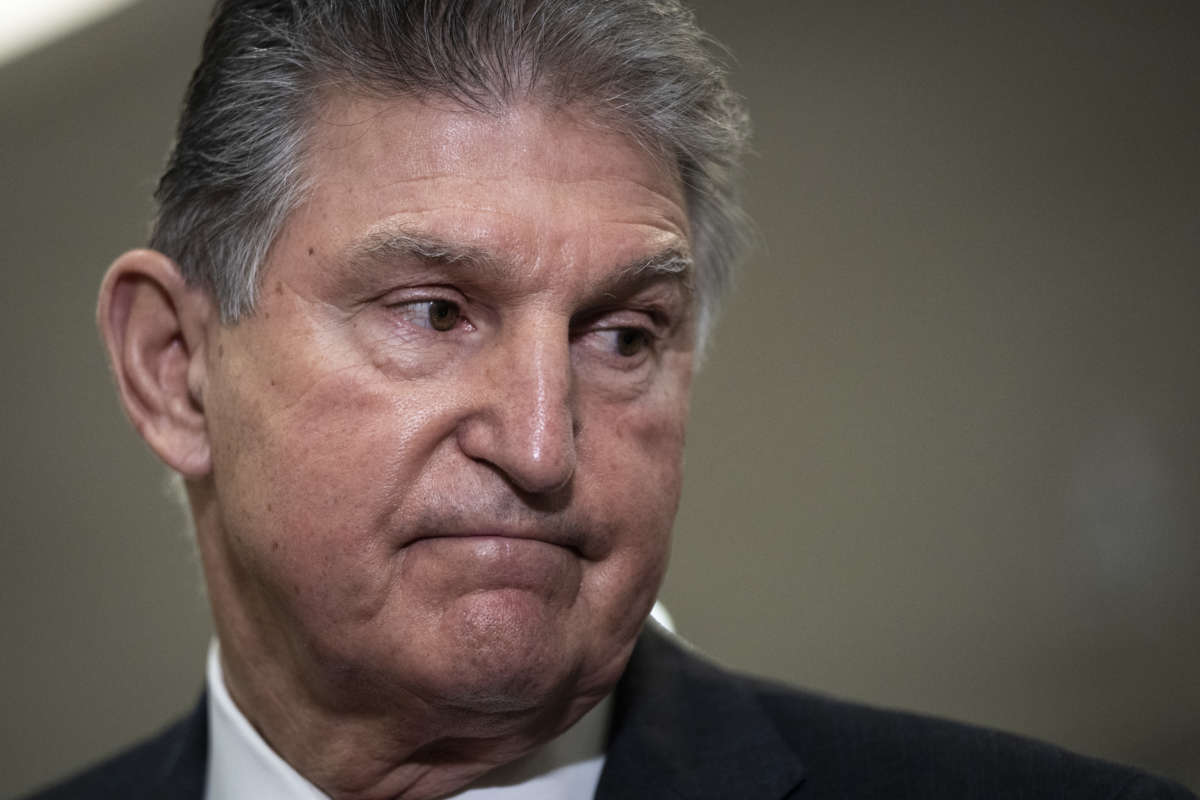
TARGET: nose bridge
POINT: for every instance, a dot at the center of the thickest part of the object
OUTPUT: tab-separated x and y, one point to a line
548	402
544	382
530	413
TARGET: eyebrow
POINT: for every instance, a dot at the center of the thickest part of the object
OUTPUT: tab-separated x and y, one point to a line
671	261
387	247
672	264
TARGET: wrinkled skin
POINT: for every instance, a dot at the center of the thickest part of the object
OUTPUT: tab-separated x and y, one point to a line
445	450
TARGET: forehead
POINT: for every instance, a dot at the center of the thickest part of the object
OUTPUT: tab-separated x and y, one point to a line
525	174
436	134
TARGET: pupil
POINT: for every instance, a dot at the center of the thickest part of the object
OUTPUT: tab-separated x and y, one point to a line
442	315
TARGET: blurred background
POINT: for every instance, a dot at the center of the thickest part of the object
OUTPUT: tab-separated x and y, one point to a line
945	455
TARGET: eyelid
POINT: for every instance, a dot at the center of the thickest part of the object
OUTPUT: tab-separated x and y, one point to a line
416	294
652	319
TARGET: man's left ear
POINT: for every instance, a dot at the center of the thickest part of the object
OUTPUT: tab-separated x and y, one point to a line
154	326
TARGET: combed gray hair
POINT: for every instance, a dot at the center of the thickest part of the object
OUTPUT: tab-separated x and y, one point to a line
237	168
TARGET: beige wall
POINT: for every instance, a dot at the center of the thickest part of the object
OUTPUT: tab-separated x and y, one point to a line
946	455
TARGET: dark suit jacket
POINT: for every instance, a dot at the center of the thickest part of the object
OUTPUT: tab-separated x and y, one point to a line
684	728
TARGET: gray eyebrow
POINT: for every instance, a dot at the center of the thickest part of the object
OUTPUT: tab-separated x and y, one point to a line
668	262
390	246
672	264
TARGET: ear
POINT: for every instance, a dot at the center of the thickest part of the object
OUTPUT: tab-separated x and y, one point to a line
154	327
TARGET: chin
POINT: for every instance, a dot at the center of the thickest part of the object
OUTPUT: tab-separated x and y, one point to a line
506	651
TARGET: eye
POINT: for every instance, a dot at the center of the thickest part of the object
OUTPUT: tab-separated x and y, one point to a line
625	347
438	315
631	341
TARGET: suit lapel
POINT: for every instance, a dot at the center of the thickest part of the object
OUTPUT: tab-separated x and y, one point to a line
683	728
180	774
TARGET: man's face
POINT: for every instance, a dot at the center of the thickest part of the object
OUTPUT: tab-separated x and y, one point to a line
447	445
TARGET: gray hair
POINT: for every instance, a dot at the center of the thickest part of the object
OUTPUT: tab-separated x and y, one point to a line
237	168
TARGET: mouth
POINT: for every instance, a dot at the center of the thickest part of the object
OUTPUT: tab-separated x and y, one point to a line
491	537
479	563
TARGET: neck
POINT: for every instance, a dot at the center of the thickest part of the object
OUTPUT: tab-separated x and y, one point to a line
240	760
366	758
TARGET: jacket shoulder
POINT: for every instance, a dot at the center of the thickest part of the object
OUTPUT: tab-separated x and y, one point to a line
887	753
171	763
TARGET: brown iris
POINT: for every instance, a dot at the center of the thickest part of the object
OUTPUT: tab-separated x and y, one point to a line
443	315
630	341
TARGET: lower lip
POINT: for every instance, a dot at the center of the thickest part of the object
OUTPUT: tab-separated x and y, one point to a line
494	562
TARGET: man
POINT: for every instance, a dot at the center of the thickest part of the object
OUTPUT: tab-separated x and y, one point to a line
427	286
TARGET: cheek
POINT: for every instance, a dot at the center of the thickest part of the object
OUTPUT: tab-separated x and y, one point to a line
310	476
635	455
647	438
635	490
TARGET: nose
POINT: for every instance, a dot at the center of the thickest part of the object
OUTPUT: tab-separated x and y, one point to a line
523	422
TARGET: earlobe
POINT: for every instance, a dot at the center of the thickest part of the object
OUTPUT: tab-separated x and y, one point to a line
154	326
